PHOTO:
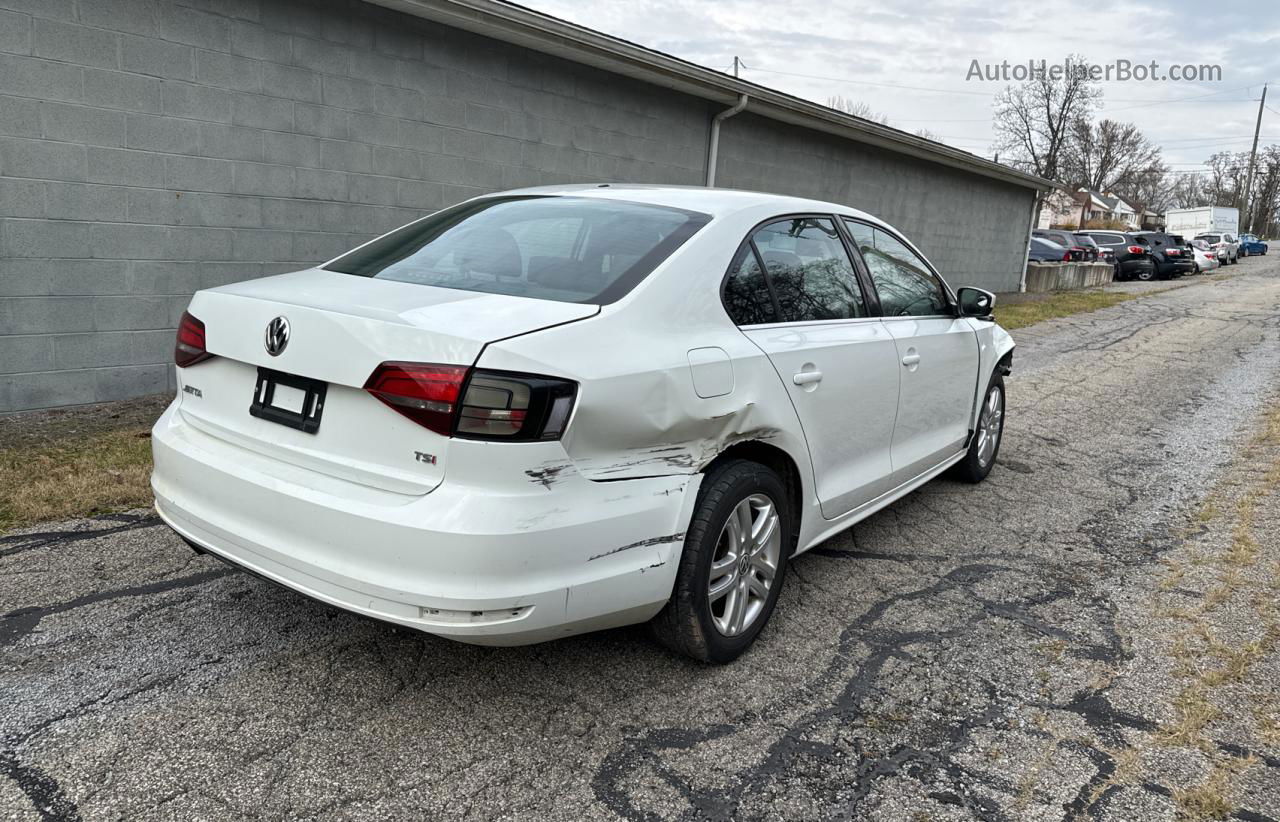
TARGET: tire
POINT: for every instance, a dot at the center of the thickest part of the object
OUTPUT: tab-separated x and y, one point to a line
693	621
980	459
1146	275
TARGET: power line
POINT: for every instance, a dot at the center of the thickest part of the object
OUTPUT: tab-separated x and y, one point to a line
933	89
1143	102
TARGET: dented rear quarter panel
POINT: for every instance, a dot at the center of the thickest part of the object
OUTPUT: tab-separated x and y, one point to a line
637	413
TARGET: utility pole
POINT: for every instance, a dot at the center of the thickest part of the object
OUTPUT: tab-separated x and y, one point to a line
735	66
1253	159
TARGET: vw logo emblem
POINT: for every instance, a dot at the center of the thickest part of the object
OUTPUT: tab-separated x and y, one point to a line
277	336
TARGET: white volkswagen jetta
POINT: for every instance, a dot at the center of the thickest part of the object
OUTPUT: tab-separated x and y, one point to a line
556	410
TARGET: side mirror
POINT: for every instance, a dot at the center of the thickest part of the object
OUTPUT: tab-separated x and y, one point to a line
975	302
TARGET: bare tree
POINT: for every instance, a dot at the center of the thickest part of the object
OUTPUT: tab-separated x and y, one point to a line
1266	197
857	108
1033	119
1107	155
1227	171
1150	187
1187	190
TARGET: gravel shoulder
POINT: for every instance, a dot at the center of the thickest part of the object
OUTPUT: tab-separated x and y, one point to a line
1091	633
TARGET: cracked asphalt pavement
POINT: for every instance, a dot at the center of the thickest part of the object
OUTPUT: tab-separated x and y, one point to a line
1092	633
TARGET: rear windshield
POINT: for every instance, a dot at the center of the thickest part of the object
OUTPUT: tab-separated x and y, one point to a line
1212	238
571	249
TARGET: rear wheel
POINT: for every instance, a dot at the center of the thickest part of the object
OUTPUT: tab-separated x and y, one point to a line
985	445
732	566
1146	274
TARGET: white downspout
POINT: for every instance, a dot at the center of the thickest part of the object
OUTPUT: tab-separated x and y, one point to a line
1035	212
713	149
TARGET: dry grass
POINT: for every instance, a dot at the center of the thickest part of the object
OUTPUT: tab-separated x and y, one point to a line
1062	304
1213	798
1208	664
75	463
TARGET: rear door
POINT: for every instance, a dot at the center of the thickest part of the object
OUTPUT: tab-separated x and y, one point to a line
937	353
794	292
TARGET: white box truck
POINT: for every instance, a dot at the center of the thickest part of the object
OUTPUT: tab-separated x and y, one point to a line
1192	221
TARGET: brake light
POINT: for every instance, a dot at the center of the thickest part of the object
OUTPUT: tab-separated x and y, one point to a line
1136	249
1173	252
425	393
189	348
1066	258
454	400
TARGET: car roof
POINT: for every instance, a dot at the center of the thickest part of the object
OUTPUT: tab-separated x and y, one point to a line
717	202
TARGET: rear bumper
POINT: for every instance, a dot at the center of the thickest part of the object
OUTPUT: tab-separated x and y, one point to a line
493	557
1170	268
1128	268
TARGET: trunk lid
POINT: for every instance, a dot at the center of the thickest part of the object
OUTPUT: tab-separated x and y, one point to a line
341	327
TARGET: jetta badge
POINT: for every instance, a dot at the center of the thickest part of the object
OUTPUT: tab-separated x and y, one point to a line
277	336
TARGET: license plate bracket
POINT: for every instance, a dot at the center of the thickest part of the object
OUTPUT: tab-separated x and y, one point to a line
265	402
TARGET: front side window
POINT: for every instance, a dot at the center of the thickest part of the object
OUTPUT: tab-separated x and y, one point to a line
570	249
906	286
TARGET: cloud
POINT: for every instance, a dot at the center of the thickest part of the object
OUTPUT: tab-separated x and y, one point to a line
930	43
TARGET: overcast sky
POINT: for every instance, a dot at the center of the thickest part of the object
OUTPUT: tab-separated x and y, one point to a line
931	43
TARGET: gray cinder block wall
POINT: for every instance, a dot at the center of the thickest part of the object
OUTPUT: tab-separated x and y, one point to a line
149	148
972	228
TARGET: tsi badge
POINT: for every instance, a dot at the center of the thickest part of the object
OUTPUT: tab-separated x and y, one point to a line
277	336
422	456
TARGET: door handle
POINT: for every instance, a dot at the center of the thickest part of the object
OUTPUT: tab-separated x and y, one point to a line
910	359
806	377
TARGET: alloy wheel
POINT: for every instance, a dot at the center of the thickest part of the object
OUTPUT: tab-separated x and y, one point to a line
744	565
990	425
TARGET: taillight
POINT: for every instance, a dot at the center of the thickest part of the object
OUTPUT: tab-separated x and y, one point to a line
1066	258
1136	249
453	400
189	348
426	394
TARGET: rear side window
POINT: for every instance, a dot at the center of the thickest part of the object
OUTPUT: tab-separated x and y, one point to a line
570	249
1108	239
906	286
747	296
800	265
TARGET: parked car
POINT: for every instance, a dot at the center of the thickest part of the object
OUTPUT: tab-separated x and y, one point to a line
1099	254
1066	239
1047	251
1250	245
1206	257
1226	244
1132	253
1171	253
545	412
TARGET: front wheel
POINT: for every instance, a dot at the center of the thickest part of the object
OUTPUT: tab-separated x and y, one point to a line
985	444
732	566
